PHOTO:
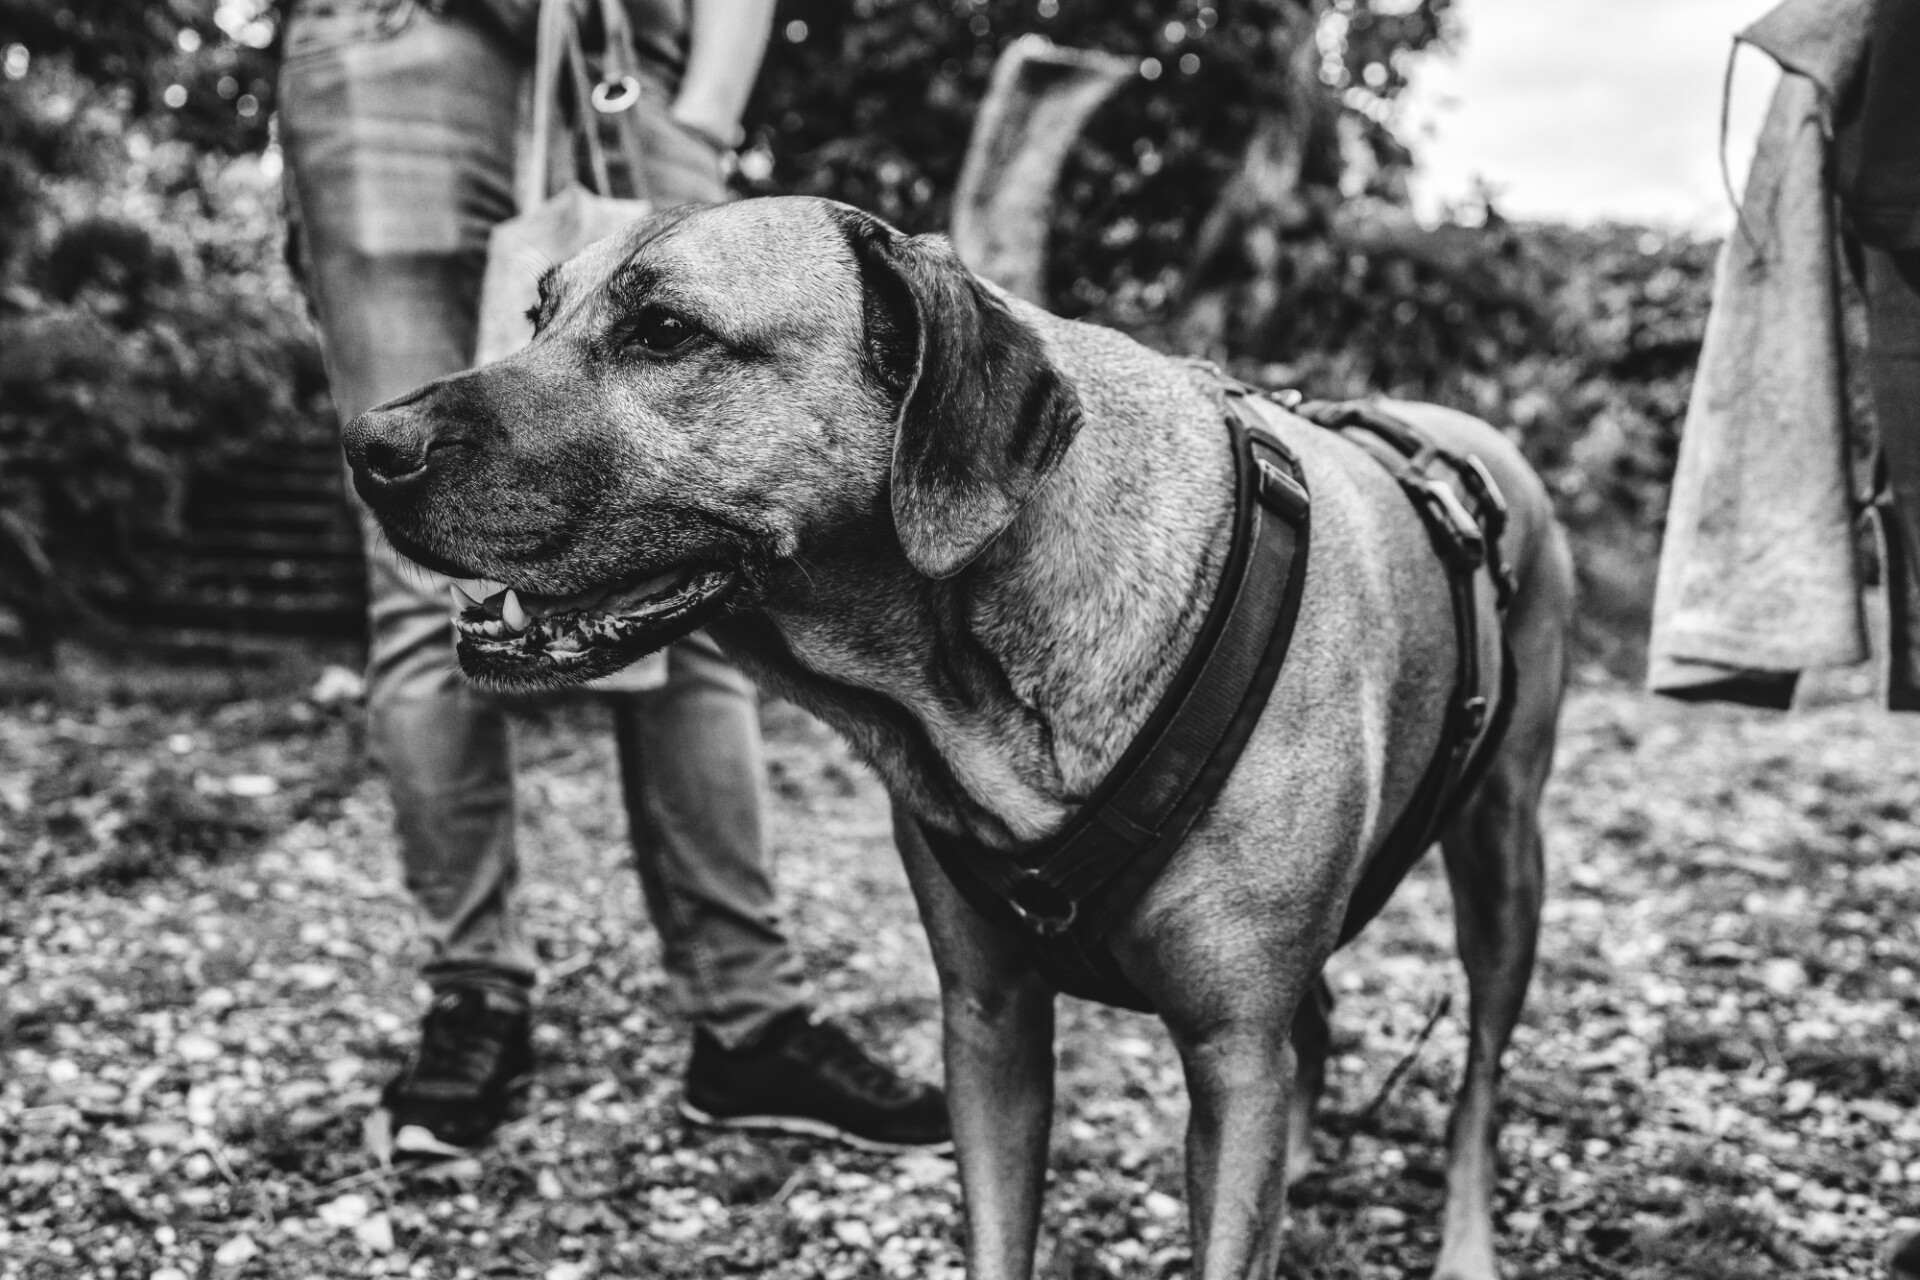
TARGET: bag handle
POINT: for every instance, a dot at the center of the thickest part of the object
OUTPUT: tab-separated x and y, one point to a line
613	94
557	24
619	92
585	116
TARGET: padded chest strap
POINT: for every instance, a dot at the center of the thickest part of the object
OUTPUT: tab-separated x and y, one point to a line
1065	896
1465	523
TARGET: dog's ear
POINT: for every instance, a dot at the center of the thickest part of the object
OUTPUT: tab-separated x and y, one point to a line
984	414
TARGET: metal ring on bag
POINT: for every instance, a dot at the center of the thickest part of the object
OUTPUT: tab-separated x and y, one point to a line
611	97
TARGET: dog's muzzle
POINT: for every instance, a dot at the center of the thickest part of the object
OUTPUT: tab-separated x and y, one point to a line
522	640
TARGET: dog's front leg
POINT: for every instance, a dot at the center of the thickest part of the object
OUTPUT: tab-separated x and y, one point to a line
1228	984
998	1016
1240	1079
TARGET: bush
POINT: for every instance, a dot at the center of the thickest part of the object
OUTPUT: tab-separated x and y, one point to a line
148	330
148	333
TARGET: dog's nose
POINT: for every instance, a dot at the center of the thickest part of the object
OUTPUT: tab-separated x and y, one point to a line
390	447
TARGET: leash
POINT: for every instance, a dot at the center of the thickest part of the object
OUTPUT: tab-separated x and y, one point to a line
1064	896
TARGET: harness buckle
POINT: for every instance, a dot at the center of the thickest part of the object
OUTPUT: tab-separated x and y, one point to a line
1280	493
1491	499
1466	545
1040	904
1473	714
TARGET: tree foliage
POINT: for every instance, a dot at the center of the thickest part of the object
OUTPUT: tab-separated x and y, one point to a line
147	328
1243	196
872	103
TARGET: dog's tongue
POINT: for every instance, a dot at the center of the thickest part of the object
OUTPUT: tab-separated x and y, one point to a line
622	599
516	607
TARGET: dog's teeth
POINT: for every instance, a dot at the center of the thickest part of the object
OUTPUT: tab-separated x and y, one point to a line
462	598
511	613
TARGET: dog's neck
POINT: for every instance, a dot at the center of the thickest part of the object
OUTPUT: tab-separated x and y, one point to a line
994	702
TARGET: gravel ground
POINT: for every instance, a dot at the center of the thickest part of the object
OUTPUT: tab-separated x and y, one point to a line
207	971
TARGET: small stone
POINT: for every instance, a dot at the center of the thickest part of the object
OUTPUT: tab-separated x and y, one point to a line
1382	1217
195	1047
1783	976
1162	1206
235	1252
675	1230
336	685
376	1234
349	1210
854	1234
1821	1196
1824	1227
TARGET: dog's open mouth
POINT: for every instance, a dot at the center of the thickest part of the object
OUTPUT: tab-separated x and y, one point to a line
520	639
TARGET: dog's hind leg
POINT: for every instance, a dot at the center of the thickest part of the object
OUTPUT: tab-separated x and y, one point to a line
1494	864
1312	1039
998	1020
1495	869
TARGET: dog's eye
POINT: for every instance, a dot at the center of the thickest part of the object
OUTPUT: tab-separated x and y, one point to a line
662	331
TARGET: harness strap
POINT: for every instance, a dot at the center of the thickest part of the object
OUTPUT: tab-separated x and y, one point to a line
1466	540
1065	896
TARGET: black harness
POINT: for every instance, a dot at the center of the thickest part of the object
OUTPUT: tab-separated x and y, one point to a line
1065	895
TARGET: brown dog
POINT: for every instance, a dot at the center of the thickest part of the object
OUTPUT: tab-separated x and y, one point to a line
977	540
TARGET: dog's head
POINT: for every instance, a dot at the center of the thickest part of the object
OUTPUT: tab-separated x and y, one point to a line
711	394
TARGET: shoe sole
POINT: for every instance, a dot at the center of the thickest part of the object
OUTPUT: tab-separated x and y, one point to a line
417	1142
800	1126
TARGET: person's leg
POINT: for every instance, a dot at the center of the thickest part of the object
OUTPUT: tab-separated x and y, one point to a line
399	129
1893	311
1893	301
691	769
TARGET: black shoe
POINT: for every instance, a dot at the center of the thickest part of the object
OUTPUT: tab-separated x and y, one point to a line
1905	1264
475	1058
810	1077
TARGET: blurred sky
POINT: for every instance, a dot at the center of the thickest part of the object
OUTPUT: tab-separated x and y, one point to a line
1588	110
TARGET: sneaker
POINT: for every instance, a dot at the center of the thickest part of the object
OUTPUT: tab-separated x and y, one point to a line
809	1077
1905	1264
475	1059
